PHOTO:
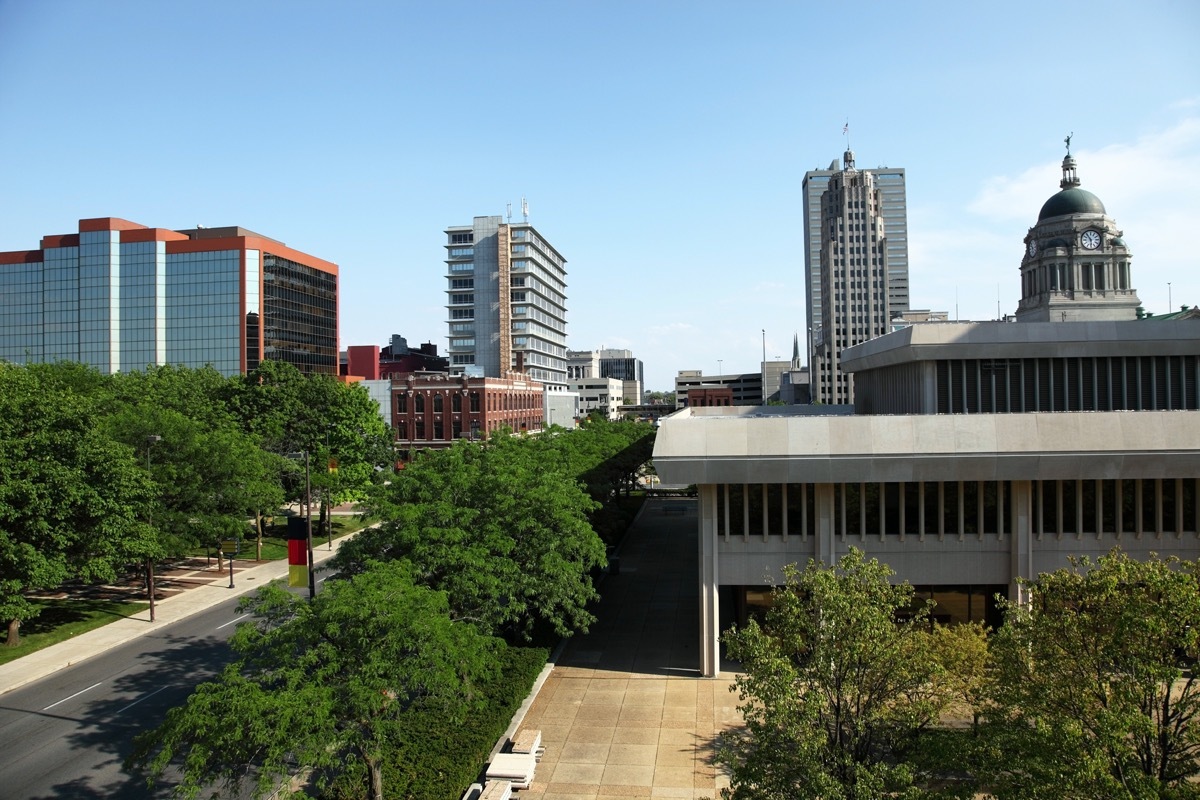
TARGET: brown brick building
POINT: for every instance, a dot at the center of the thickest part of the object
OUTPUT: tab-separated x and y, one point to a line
431	410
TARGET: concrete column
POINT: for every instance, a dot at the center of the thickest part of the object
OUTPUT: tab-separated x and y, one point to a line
823	524
710	634
1022	538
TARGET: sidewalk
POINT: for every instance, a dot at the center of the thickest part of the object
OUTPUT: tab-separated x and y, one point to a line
205	588
624	713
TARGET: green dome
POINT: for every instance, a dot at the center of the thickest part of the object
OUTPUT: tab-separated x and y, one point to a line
1071	201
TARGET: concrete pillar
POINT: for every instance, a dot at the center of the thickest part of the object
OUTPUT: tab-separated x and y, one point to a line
1021	565
823	524
710	634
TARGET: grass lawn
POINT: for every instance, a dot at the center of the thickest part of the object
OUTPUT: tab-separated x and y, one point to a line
275	537
62	619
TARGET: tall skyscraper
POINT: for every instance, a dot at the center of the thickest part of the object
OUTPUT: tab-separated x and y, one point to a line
507	301
120	296
855	264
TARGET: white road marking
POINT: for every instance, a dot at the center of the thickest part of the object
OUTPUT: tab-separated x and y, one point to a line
65	699
227	624
135	702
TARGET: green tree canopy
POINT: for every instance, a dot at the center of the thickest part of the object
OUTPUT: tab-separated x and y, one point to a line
503	532
317	687
836	689
73	502
1095	692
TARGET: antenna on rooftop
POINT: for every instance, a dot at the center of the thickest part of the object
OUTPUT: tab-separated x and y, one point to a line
508	214
525	209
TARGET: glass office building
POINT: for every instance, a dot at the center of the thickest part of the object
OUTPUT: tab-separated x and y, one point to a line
120	296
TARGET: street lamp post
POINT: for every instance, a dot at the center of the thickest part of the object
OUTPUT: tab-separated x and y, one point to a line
312	578
150	440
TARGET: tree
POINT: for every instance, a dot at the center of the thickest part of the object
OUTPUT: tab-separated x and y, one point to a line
836	689
1095	692
72	500
317	687
502	531
335	422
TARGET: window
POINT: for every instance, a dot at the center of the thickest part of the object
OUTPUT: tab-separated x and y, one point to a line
462	299
402	404
462	252
419	404
456	404
462	238
462	313
462	283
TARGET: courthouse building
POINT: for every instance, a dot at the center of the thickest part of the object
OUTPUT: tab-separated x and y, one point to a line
977	453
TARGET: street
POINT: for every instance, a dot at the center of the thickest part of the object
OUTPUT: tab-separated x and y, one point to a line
66	735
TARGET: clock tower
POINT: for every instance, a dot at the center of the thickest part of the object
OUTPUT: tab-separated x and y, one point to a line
1076	265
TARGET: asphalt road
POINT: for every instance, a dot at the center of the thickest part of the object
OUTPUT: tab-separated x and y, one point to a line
66	735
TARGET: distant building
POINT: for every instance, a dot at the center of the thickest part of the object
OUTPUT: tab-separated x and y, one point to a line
863	266
746	387
598	396
430	411
609	363
976	454
706	396
1076	265
856	265
561	408
506	302
120	296
374	363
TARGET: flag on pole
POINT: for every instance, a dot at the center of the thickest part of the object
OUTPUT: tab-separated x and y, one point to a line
845	129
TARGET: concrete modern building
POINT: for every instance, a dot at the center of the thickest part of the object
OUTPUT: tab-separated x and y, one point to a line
856	265
977	454
431	410
598	396
121	296
747	387
609	363
561	408
506	301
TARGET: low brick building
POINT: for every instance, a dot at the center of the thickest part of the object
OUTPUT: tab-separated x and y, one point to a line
431	410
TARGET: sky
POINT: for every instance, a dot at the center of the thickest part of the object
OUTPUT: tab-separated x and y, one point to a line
661	146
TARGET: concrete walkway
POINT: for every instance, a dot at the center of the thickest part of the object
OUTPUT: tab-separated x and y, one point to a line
625	712
208	588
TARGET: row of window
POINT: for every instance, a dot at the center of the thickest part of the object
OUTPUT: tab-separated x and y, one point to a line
1074	507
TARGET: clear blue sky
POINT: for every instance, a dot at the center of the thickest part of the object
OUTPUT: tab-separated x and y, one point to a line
661	145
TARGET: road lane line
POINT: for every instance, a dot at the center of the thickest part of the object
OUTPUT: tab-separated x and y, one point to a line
227	624
65	699
140	699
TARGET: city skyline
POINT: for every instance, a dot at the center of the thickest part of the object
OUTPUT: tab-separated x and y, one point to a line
662	147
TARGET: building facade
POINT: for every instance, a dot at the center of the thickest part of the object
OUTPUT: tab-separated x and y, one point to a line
431	410
977	455
121	296
598	396
1076	265
506	302
856	264
747	387
396	359
609	363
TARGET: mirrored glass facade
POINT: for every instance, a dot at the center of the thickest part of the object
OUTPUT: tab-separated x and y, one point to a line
121	296
301	315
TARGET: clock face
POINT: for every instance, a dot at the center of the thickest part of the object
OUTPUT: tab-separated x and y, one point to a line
1090	240
1032	248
